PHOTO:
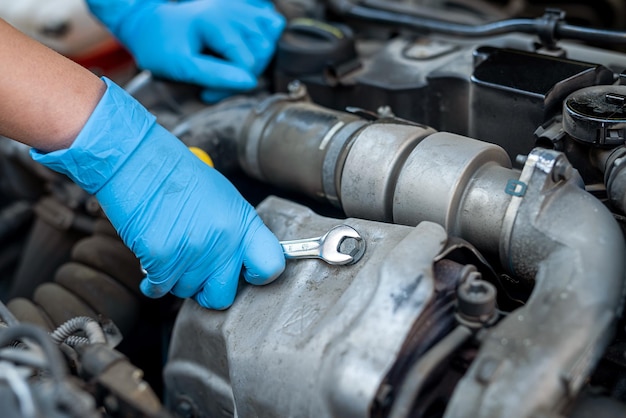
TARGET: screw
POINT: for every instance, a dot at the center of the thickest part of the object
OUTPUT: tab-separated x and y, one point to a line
385	112
477	288
296	89
349	246
521	159
476	299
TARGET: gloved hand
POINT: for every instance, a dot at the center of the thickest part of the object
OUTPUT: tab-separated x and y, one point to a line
189	227
168	39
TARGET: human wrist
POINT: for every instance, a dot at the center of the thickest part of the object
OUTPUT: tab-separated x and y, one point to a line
110	136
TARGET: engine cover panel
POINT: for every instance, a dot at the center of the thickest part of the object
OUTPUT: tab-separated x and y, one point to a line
320	340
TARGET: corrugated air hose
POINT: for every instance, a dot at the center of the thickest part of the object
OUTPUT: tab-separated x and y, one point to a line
101	279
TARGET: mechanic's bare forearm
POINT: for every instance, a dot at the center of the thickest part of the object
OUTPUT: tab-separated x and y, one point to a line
45	98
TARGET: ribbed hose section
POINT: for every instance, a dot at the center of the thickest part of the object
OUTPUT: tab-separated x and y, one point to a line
102	279
66	332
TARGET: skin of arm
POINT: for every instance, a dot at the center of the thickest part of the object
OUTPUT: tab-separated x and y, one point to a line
100	137
45	98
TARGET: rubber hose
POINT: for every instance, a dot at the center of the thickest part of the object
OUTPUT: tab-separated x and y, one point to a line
101	279
81	323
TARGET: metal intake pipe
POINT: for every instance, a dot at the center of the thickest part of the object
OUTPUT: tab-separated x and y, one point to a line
544	227
537	359
385	170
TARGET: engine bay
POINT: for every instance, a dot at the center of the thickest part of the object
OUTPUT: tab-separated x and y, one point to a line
478	149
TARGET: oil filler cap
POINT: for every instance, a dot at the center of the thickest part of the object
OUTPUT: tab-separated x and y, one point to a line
596	115
309	47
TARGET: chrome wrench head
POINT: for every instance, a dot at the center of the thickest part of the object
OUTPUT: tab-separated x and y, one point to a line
340	246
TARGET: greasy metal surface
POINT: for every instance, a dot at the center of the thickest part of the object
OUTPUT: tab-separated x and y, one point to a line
316	342
436	177
457	182
286	142
539	356
372	167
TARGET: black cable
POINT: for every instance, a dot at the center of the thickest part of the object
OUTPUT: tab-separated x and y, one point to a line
565	31
427	26
7	316
421	370
459	11
549	27
56	363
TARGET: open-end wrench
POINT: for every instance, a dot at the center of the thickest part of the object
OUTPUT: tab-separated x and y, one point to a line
329	247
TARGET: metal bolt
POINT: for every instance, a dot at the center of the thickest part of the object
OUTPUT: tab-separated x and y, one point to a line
385	112
296	89
350	246
521	159
476	299
477	288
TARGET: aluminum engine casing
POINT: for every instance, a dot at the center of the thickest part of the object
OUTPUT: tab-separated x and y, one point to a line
321	339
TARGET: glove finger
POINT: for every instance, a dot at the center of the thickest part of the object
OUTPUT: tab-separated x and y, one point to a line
263	29
262	49
219	292
230	44
260	4
155	290
261	38
188	285
211	72
158	285
272	25
263	259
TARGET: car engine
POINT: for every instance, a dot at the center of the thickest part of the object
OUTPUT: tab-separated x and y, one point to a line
478	148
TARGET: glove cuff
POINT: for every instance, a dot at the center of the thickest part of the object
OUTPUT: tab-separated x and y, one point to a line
112	133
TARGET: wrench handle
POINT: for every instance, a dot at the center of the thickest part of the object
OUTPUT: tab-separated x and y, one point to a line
301	248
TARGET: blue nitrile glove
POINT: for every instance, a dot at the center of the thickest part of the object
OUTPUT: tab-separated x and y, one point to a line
187	224
168	39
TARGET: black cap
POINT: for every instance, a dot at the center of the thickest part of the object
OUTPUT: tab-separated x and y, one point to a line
309	47
596	115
